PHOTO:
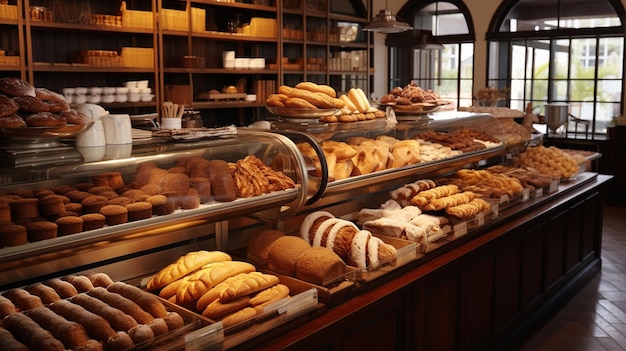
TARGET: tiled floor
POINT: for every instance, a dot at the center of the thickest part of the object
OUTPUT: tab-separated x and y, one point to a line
595	320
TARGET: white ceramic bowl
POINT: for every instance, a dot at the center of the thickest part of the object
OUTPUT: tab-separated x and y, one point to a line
93	99
134	97
109	90
121	97
134	90
79	99
80	91
146	97
121	90
145	90
107	99
95	90
142	84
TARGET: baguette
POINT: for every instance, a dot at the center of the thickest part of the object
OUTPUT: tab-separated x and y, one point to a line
250	284
169	291
184	265
28	332
317	88
359	99
215	292
320	100
239	316
121	303
270	294
22	299
70	333
116	318
208	277
80	282
96	326
45	293
145	300
63	288
9	343
7	307
296	102
219	308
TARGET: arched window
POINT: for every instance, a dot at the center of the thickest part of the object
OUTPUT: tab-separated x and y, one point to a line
449	69
569	51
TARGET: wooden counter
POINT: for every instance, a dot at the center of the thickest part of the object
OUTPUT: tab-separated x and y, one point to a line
491	289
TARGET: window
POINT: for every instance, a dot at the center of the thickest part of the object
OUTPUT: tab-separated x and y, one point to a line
568	51
448	71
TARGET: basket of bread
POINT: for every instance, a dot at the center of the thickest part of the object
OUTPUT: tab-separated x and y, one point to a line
413	100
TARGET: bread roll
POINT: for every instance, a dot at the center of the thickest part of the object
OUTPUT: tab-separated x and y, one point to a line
218	308
6	307
45	293
250	283
145	300
184	265
12	87
96	326
22	299
80	282
100	279
140	333
29	333
9	343
169	291
63	288
318	88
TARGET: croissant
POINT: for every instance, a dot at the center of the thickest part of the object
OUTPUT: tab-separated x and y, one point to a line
422	198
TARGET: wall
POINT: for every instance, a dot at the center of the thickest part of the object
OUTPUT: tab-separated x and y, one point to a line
481	11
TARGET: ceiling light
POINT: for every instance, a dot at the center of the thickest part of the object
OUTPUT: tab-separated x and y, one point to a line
386	22
416	39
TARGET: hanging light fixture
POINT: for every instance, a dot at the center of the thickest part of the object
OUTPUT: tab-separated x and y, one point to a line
416	39
386	22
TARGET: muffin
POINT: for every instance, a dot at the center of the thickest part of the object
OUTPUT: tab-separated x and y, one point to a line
74	207
41	193
99	189
160	205
109	194
12	234
84	186
120	200
135	195
191	200
203	186
93	204
139	210
51	205
69	225
41	230
24	208
151	189
176	183
77	195
63	214
93	221
62	189
5	212
115	214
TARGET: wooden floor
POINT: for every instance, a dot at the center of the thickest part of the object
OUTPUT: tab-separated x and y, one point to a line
595	319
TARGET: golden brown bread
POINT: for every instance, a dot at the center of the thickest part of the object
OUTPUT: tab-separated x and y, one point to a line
320	100
296	102
45	293
317	88
184	265
269	295
218	308
9	343
6	307
29	333
22	299
207	277
319	265
122	303
96	326
239	316
258	247
145	300
249	284
170	290
284	254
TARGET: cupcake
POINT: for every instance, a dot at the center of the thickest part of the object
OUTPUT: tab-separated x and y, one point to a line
93	204
139	210
93	221
160	205
69	225
5	212
191	200
24	208
115	214
41	230
97	190
12	234
135	195
51	205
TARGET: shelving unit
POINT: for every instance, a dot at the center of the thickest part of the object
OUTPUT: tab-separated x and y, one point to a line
312	41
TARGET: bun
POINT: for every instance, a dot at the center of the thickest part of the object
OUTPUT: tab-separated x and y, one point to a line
75	117
184	265
11	121
16	87
357	96
45	119
8	106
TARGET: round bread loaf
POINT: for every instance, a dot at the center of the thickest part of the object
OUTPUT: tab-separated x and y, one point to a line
320	266
284	254
30	104
12	86
8	106
259	245
12	121
45	119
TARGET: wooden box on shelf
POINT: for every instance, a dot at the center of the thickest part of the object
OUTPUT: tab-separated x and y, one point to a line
137	57
137	19
179	94
8	11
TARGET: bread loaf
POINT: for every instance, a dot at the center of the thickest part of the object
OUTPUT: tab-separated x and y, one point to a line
284	254
22	299
259	245
9	343
317	88
45	293
249	284
184	265
319	265
12	87
6	307
218	308
207	277
29	333
116	318
234	318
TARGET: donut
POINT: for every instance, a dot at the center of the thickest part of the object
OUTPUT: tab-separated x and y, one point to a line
12	121
31	104
8	106
12	86
45	119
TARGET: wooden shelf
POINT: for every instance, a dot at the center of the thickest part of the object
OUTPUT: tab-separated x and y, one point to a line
88	27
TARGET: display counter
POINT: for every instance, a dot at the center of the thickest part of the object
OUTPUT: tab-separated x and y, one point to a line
534	254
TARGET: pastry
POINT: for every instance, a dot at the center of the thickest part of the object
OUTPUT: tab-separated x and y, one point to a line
45	119
8	107
12	121
12	87
30	104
